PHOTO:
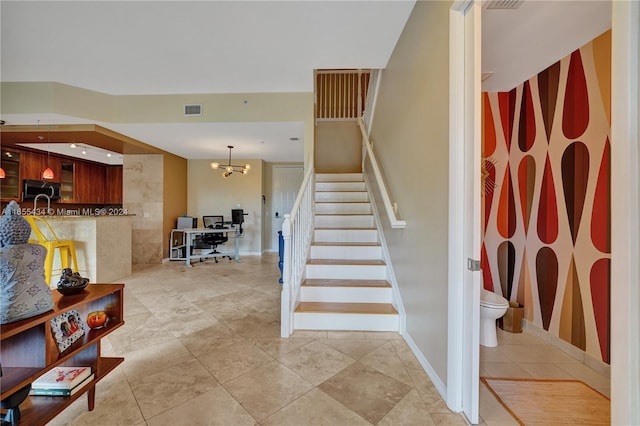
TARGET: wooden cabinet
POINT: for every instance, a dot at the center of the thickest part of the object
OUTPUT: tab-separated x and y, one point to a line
113	193
89	183
29	350
10	186
32	164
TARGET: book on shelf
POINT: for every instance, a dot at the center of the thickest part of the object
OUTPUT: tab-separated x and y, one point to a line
60	391
67	328
62	377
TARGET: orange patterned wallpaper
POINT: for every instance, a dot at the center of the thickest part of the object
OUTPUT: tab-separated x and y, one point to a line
546	168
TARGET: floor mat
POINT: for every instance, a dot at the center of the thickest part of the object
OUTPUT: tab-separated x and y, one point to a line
550	402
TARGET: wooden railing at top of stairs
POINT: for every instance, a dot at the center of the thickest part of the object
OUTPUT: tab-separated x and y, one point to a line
341	94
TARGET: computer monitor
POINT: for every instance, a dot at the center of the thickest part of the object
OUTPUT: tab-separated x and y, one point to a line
237	216
186	222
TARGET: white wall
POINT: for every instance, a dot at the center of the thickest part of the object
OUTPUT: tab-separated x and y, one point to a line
411	140
208	193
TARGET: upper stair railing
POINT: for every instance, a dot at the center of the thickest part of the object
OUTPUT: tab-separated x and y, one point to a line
297	232
341	94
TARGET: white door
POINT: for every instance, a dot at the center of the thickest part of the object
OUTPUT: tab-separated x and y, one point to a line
286	184
463	373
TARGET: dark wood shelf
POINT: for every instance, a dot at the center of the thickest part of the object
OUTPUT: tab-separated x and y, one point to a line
29	350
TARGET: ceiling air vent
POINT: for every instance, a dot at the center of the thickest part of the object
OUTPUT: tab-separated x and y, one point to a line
193	109
503	4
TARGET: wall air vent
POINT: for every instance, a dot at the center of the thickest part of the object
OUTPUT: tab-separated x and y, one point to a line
193	109
503	4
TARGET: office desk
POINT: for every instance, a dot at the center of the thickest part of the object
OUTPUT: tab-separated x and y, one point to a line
178	244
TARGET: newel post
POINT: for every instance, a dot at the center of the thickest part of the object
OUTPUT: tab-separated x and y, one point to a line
285	295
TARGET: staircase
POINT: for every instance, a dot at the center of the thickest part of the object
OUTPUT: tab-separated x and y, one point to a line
345	286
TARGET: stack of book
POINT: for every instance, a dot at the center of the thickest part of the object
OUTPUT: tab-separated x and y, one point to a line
61	381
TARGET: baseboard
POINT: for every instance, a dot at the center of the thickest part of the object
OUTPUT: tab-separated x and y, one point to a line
433	376
566	347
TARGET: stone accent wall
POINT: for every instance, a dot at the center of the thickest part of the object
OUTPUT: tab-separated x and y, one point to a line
143	197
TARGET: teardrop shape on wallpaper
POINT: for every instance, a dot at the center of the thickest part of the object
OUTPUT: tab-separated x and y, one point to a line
527	120
547	277
526	183
547	207
575	176
506	103
506	266
524	281
530	306
548	81
489	134
489	184
601	299
601	213
487	280
507	207
575	114
572	327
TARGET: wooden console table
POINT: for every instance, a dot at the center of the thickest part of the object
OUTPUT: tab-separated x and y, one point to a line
28	349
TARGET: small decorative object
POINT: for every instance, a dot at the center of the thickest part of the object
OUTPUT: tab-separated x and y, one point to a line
97	319
71	282
67	329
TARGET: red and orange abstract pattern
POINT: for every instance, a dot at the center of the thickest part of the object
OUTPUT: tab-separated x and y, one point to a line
547	222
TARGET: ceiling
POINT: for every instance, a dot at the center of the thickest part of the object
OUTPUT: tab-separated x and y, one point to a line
188	47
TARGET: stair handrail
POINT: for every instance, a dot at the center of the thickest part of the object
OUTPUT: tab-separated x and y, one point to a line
394	220
297	230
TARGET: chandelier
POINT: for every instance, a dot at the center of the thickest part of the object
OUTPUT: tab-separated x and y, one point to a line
230	168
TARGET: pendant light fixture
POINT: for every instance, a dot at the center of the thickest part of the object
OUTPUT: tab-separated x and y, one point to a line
48	173
230	168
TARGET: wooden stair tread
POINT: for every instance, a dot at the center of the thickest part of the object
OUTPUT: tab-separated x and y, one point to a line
342	202
346	229
346	308
345	244
344	214
374	262
326	282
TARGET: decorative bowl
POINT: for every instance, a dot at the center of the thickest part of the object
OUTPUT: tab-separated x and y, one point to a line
68	290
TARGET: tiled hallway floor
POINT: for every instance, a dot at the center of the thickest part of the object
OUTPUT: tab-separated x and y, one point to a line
201	347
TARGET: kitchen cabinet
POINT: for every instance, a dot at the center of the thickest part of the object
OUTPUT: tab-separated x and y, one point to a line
32	164
29	350
89	183
10	185
113	187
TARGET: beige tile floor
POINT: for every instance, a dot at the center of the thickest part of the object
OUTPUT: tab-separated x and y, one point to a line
201	347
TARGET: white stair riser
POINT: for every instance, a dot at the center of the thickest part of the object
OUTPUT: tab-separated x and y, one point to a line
362	272
343	177
342	196
334	321
340	186
344	221
346	252
345	294
345	236
343	208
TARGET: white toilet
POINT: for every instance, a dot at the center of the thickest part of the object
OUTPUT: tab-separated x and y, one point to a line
492	307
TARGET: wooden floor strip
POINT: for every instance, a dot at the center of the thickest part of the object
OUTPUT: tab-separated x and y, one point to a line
346	283
550	401
374	262
346	308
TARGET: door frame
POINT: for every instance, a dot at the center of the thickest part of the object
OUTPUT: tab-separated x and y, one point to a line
463	347
271	204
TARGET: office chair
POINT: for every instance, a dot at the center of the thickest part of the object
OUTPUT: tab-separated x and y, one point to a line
213	240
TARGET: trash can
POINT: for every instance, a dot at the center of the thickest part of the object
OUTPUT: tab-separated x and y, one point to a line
280	254
512	319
